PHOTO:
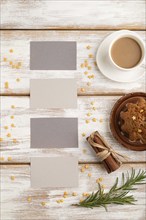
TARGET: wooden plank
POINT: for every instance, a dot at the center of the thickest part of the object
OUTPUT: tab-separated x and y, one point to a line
19	42
42	14
14	195
19	149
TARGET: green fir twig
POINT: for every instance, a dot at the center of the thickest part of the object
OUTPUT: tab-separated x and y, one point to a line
117	194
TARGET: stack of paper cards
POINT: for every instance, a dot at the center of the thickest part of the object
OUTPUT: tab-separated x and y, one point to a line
53	132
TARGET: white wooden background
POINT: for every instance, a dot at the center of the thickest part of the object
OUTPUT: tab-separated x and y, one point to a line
88	23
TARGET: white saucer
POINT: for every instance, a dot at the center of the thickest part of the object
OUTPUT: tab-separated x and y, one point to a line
106	67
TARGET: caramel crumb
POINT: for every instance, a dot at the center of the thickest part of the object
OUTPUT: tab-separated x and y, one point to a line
90	55
82	170
83	134
88	84
86	166
89	174
2	158
64	196
29	199
74	194
12	106
14	140
43	203
89	114
94	108
65	193
141	111
82	90
94	119
60	201
88	47
6	127
9	158
8	135
95	64
12	117
5	59
89	67
103	186
92	103
85	194
100	120
85	61
84	151
17	67
99	180
82	65
10	62
87	121
1	139
13	66
6	85
85	72
12	177
11	50
81	200
17	80
12	125
19	64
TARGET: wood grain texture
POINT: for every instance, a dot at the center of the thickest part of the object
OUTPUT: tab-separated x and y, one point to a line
14	194
21	152
45	14
19	41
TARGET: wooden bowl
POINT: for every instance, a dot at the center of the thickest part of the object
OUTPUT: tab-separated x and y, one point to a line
115	121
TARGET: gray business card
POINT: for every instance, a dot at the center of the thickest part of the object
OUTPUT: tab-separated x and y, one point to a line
53	93
54	172
53	55
54	132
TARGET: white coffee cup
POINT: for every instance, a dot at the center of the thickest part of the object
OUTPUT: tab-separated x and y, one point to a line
133	36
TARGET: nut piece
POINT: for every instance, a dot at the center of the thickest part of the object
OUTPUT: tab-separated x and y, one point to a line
139	131
134	118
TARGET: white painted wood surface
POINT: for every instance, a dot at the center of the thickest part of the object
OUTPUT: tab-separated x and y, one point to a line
45	14
21	152
14	195
19	41
98	16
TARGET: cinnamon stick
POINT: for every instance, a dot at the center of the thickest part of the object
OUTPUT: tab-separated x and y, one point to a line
110	163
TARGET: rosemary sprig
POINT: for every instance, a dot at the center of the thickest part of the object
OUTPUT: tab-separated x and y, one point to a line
116	195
